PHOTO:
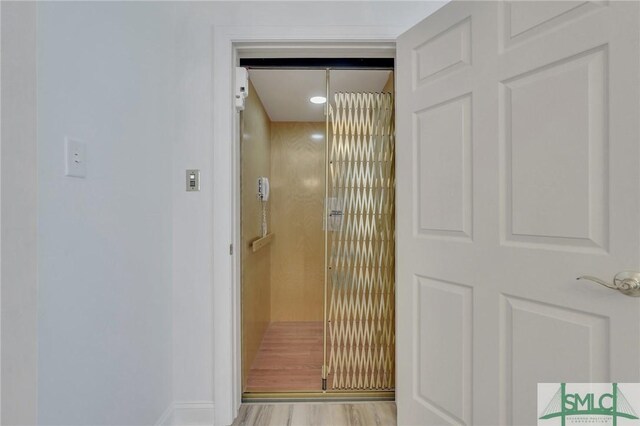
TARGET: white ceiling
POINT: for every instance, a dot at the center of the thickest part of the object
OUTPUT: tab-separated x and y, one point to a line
285	93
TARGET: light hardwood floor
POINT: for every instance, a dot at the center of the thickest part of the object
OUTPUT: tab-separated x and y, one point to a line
317	414
289	358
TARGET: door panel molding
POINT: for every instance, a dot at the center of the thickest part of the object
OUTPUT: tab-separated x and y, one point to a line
526	325
536	211
540	21
444	362
444	175
454	44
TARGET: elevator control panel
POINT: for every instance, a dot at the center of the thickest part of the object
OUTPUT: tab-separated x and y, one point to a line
193	180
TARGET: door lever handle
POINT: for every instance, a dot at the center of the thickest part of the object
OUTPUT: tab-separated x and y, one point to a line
626	282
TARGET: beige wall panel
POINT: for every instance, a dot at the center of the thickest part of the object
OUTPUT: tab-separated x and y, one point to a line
297	193
388	86
255	162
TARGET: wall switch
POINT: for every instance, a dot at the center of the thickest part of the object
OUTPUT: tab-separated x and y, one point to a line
75	158
193	180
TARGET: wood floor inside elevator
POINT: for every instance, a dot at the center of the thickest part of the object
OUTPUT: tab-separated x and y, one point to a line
289	359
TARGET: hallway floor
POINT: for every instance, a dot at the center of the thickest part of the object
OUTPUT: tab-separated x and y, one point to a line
289	358
322	413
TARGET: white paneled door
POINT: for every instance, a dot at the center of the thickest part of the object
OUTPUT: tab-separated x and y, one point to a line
517	171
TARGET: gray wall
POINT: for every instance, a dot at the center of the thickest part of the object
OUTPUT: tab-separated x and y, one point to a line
105	77
18	267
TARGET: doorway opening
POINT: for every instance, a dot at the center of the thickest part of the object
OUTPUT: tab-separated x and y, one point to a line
318	229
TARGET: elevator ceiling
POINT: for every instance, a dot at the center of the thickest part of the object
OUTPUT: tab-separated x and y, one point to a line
285	93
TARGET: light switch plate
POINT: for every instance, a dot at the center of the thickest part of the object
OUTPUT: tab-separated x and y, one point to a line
75	158
193	180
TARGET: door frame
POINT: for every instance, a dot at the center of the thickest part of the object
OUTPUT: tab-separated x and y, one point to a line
229	44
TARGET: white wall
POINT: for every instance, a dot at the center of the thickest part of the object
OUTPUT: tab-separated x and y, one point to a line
106	76
19	215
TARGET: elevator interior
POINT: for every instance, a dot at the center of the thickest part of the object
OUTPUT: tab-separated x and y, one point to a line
317	232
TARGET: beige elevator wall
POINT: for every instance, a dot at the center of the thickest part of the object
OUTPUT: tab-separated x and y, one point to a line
297	253
256	293
388	86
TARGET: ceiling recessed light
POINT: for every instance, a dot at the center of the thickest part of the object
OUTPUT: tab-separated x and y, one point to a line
318	100
317	136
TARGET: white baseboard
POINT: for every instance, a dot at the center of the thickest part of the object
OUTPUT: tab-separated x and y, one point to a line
166	419
187	413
